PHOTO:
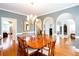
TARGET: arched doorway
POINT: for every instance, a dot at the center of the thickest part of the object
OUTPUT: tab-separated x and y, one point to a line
38	26
65	26
48	26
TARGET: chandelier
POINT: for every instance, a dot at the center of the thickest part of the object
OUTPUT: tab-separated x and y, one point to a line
31	18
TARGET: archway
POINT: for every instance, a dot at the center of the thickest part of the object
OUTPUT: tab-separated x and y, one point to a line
65	26
38	26
48	26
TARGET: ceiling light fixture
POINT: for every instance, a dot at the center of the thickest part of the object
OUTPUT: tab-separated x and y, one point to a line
31	18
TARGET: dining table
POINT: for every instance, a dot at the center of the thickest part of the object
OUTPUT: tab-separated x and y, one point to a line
37	42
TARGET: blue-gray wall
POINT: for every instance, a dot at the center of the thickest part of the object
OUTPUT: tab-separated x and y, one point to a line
74	11
20	19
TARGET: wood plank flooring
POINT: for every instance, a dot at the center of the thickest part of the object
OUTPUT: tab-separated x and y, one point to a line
11	51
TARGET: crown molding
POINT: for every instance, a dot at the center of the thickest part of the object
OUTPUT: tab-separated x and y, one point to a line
13	12
73	5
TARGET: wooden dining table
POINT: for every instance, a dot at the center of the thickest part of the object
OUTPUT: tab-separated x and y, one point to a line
38	42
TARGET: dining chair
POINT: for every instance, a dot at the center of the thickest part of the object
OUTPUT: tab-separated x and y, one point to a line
22	48
19	49
53	48
45	50
48	50
30	50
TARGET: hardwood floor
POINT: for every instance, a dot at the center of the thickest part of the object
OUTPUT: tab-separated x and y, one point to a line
11	51
63	50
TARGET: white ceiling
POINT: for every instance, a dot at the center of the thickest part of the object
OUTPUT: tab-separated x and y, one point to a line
36	8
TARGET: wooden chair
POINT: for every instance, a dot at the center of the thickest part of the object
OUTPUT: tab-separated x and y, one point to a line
49	49
53	47
30	50
22	49
45	49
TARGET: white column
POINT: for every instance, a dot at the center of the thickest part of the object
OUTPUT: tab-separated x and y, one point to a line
62	30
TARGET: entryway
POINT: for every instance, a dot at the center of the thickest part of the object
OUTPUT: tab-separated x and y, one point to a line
8	31
65	26
48	26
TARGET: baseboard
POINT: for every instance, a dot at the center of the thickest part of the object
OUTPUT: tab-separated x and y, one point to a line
30	32
18	33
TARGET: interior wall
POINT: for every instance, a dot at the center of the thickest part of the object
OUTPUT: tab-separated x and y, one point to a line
20	19
74	11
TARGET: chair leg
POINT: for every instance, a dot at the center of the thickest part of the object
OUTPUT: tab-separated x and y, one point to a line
49	52
52	52
41	50
27	52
